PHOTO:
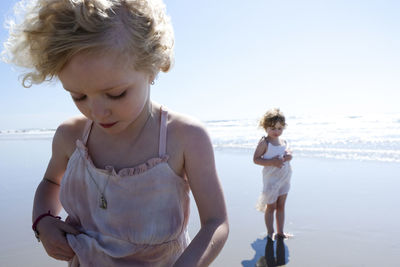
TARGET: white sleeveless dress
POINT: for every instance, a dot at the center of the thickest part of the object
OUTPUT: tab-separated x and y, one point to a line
276	181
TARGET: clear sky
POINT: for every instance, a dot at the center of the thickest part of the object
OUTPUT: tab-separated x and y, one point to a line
235	59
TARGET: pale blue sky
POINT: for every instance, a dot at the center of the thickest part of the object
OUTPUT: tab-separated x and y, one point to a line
235	59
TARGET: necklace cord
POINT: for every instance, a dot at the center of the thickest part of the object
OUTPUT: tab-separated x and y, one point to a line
103	200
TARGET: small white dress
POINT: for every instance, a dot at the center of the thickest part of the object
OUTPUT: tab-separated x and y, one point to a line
276	181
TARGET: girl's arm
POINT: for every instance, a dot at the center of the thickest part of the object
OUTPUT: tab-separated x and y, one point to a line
261	150
51	230
207	192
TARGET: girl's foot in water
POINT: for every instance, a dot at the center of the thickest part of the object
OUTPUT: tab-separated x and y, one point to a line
282	236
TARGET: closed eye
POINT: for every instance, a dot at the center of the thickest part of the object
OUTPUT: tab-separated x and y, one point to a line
77	99
117	96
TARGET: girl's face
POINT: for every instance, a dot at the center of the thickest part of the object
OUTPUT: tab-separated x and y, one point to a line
275	131
106	91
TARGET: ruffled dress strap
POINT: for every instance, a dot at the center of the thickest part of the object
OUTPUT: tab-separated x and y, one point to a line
287	144
86	131
162	147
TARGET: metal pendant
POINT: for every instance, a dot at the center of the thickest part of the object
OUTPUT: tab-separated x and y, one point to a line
103	202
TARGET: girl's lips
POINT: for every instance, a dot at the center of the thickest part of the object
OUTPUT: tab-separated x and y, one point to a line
107	125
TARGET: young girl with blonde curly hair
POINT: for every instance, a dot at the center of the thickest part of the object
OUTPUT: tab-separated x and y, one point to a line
273	153
122	171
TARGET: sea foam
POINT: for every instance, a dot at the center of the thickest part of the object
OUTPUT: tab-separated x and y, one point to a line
373	137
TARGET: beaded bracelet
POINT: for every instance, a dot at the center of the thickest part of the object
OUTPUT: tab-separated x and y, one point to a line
34	225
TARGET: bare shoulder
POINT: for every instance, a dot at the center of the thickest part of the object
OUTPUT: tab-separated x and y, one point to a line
261	148
63	146
283	142
187	129
263	143
68	132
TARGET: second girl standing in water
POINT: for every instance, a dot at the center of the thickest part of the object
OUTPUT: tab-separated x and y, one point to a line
273	153
124	169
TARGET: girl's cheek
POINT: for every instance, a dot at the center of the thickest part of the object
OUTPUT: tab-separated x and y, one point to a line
83	109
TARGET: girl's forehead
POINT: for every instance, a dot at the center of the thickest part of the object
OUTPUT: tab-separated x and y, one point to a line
104	71
97	58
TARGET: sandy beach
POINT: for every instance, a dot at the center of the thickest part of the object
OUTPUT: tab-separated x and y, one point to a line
340	212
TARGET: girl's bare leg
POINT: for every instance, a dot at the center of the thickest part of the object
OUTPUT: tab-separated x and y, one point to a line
280	214
269	218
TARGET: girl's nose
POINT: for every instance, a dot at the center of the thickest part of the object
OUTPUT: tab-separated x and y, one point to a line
99	110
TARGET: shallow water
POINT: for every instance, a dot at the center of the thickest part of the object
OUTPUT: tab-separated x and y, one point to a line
341	212
367	137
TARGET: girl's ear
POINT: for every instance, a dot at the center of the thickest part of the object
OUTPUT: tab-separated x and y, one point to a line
151	79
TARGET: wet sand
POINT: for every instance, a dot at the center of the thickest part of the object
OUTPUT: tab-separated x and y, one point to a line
341	213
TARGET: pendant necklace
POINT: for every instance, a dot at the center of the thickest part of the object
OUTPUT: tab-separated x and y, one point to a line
103	201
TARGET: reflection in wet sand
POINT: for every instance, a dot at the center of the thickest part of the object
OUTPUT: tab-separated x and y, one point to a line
268	253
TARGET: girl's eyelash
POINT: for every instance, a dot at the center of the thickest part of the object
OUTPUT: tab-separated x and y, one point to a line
117	96
77	99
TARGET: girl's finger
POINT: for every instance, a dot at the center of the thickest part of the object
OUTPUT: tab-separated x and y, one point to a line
60	253
62	247
69	229
62	257
65	251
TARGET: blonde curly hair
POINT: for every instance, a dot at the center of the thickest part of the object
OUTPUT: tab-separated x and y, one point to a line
53	31
271	117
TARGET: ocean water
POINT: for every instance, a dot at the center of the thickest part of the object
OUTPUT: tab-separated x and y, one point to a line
372	137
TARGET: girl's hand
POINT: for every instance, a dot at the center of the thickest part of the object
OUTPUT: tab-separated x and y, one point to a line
288	156
277	162
52	232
